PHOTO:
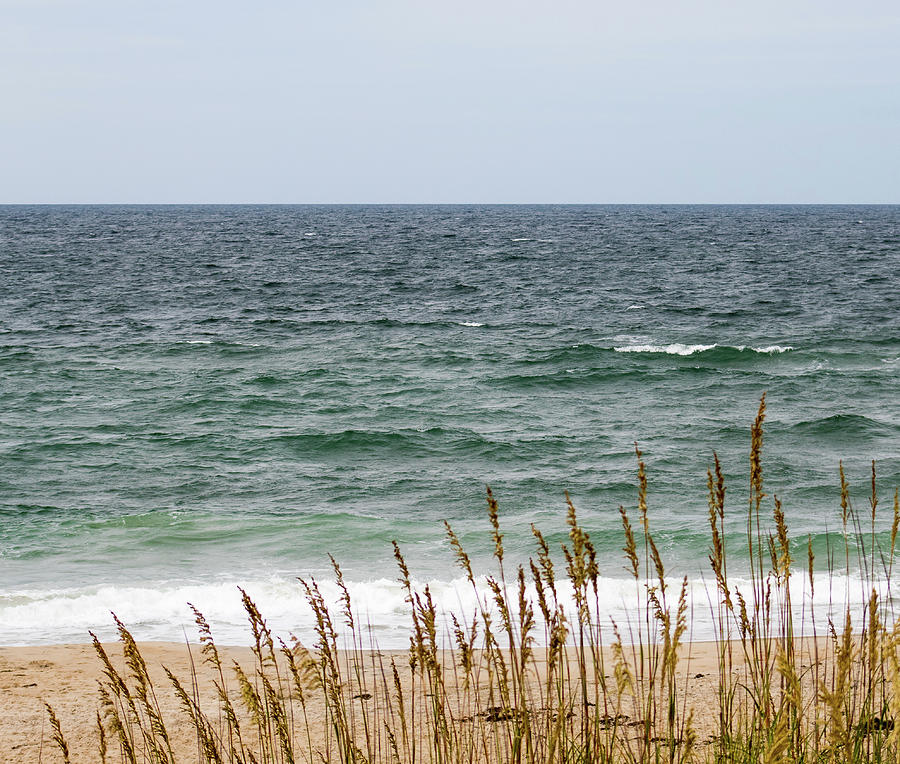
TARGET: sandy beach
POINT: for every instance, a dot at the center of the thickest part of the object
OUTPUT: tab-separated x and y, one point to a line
66	677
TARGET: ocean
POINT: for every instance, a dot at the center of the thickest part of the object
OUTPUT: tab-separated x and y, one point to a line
196	398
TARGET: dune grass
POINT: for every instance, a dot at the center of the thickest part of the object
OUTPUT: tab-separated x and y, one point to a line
535	675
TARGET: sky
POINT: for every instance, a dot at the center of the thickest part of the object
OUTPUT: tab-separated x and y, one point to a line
470	101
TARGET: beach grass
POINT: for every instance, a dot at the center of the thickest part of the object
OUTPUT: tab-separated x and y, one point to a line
536	673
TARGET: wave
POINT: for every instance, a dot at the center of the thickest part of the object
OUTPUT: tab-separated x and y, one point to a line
178	347
573	377
846	426
601	359
772	349
412	441
159	611
296	324
678	348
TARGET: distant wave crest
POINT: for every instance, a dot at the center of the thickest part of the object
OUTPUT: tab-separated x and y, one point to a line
678	348
845	426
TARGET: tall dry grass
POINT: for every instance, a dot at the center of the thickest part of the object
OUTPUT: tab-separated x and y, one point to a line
532	676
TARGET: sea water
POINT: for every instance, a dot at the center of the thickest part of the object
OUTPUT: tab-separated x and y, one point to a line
196	398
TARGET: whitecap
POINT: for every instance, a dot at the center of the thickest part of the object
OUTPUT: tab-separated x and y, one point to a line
679	348
634	307
774	349
675	348
522	239
469	323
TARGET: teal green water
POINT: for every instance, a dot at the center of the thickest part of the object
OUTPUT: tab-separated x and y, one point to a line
196	397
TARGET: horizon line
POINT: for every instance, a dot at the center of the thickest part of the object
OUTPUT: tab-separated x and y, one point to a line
449	204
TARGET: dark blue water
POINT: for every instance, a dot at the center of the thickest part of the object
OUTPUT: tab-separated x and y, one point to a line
196	396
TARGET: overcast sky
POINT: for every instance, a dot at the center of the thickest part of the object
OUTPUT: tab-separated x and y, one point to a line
450	101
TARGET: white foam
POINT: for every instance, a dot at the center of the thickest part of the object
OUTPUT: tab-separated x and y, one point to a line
635	307
522	239
676	348
470	323
198	342
160	612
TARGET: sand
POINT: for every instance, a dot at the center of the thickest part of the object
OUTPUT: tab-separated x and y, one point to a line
66	677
